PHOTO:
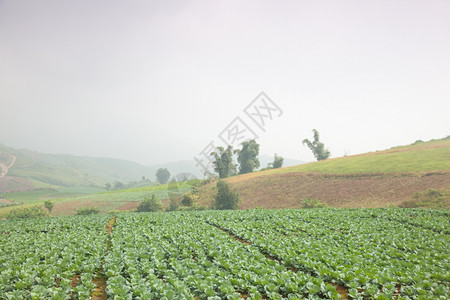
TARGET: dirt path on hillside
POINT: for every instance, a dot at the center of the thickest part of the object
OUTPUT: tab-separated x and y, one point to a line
6	168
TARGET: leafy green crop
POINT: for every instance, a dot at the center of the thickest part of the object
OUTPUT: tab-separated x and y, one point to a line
255	254
40	257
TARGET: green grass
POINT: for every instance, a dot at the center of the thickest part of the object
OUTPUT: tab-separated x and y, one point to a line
45	194
431	198
421	157
42	185
106	201
55	175
28	196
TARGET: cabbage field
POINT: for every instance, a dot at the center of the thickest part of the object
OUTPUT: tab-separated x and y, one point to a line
253	254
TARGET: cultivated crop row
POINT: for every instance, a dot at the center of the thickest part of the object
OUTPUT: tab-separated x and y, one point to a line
156	256
371	252
50	258
253	254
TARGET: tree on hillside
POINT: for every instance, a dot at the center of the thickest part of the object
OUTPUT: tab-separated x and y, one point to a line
223	162
162	175
118	185
150	203
48	205
277	161
317	147
248	157
225	198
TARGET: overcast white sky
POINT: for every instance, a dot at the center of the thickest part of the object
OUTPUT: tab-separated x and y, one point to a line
156	81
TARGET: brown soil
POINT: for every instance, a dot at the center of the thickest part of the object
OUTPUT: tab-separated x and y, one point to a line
341	290
74	280
232	235
7	201
351	190
99	292
14	184
128	206
110	225
69	207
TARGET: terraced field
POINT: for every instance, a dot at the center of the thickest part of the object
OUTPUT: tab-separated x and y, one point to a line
254	254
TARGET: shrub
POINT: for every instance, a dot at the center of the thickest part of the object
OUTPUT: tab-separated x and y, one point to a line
48	205
87	211
277	162
25	213
226	198
312	203
150	203
189	198
173	205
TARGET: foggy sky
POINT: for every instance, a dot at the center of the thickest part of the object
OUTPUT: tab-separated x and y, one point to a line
156	81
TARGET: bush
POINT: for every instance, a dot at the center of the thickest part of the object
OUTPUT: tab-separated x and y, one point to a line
150	203
48	205
277	162
87	211
25	213
173	205
226	198
312	203
189	198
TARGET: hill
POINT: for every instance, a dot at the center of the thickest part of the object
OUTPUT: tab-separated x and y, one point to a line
34	170
375	179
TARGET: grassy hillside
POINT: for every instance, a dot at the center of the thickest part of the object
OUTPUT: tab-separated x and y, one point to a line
419	157
68	200
375	179
38	170
406	175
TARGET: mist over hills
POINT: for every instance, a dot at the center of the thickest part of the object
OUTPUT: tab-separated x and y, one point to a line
32	169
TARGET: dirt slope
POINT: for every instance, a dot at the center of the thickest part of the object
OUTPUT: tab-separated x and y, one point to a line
345	190
374	179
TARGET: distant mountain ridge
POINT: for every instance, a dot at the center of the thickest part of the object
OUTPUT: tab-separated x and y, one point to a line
33	169
39	170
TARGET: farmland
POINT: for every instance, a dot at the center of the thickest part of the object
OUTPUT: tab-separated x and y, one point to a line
68	200
370	180
255	254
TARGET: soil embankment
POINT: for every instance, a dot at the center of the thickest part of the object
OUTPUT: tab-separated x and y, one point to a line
347	190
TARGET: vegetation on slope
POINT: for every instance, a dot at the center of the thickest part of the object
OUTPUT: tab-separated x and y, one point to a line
377	179
419	157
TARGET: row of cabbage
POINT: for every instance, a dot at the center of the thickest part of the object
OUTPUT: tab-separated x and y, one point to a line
51	258
180	255
381	253
255	254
